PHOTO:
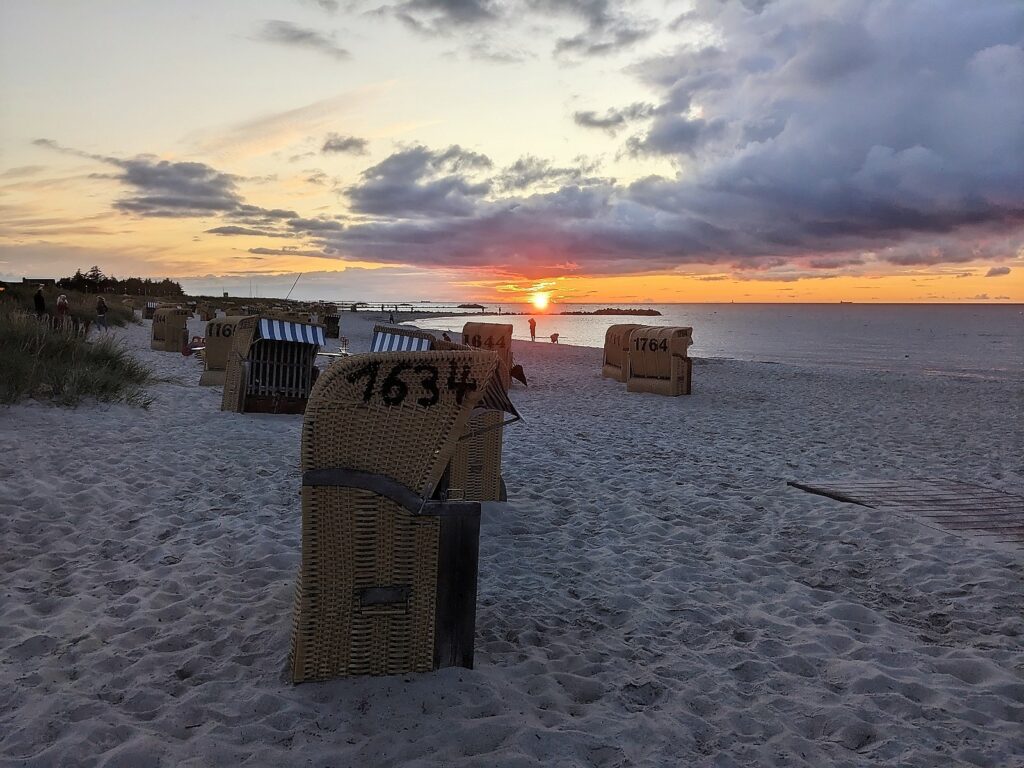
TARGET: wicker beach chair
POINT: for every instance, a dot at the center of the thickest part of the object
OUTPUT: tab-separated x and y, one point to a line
496	337
658	360
170	329
387	583
616	350
475	471
332	325
218	343
271	367
149	309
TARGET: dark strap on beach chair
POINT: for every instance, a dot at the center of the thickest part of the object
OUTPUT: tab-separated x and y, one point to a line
382	485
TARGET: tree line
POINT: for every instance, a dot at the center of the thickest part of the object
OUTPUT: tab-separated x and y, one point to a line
94	281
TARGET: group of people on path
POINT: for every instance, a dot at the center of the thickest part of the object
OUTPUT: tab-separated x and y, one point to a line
62	315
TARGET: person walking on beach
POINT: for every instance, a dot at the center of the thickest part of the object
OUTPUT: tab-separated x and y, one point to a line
63	311
40	302
533	329
101	313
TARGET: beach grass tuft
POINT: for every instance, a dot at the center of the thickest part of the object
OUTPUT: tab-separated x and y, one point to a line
62	366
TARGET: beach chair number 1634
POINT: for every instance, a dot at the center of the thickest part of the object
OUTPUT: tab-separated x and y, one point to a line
650	345
394	390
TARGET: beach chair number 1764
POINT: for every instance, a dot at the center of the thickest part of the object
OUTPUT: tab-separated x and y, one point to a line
394	390
650	345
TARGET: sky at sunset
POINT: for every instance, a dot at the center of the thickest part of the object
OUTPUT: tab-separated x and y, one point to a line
598	150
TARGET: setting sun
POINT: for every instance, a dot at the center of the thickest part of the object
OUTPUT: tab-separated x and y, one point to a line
540	299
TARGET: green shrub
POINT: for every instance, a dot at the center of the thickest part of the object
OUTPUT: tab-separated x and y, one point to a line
39	361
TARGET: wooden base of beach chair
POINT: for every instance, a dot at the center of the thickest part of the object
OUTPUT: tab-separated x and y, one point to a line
212	378
398	595
678	384
274	404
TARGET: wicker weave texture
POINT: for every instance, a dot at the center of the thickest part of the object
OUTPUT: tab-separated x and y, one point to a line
659	361
616	350
495	337
475	472
396	414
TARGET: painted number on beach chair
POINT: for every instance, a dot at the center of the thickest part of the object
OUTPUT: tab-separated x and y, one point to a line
650	345
394	389
488	343
221	330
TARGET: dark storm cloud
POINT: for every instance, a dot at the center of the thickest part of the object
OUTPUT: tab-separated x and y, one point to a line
287	33
825	138
166	189
336	143
613	119
421	182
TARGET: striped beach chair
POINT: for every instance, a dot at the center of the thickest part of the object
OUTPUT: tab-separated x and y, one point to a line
272	365
399	338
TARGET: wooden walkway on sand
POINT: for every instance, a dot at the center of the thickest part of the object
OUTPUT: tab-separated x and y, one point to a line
957	507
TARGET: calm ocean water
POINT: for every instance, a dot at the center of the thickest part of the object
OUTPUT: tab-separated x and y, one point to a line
981	341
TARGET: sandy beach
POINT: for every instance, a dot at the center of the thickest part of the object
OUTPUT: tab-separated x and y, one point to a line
653	594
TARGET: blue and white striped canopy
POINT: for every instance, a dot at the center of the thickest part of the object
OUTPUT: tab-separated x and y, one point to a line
385	341
283	330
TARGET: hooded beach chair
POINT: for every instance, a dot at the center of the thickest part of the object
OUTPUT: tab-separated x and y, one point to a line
475	471
495	337
616	350
170	329
218	343
387	582
149	309
659	361
271	367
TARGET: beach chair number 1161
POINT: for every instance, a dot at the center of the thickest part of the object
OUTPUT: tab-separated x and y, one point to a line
394	390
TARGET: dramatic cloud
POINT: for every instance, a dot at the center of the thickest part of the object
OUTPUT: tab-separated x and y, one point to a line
286	33
861	132
997	272
614	119
336	143
533	171
417	182
169	189
165	189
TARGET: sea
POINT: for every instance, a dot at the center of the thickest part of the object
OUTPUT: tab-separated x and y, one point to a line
982	341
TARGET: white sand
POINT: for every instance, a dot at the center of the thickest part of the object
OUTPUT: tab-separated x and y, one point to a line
653	595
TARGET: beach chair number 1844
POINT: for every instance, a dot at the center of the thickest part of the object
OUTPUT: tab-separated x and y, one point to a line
394	390
487	343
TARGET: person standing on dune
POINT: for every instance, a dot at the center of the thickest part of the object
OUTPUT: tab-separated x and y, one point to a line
533	329
40	302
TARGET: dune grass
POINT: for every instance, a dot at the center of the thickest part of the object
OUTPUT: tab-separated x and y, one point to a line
83	305
41	362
